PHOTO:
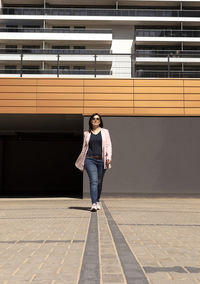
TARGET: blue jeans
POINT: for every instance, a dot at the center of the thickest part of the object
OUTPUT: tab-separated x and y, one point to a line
95	170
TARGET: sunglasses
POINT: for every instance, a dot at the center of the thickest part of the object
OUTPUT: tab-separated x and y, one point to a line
95	118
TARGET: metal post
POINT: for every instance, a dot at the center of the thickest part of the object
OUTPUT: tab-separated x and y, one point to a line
117	5
21	64
95	65
58	65
133	57
168	63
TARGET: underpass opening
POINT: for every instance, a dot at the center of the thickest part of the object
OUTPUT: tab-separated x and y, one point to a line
37	155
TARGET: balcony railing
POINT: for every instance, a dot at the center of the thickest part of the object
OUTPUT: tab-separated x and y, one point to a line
101	12
166	74
167	33
117	65
138	53
55	30
54	71
170	53
138	74
55	51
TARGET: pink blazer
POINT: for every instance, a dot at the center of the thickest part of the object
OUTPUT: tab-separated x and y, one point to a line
106	149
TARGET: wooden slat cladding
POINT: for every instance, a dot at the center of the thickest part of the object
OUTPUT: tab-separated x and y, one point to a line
139	97
192	97
17	95
158	82
18	82
60	96
158	97
110	97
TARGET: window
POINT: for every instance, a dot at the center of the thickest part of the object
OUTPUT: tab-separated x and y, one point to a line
12	28
11	48
60	47
61	67
78	68
79	47
30	46
31	69
79	28
8	67
31	27
61	27
11	69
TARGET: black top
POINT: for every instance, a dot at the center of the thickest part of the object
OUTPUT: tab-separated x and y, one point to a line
95	145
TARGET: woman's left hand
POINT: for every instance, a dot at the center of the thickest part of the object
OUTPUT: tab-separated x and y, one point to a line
108	162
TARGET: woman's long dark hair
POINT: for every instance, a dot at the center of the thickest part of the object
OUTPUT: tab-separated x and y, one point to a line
90	121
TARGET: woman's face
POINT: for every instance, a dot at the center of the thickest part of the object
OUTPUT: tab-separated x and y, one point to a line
95	121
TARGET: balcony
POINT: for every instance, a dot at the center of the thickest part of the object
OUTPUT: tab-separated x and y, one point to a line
155	35
166	53
163	56
56	51
56	34
166	74
56	30
144	63
65	55
68	73
167	33
100	12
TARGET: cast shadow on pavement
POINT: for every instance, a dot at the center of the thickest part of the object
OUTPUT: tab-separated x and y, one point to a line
79	208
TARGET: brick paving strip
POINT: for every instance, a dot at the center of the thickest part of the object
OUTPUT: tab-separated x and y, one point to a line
90	272
132	270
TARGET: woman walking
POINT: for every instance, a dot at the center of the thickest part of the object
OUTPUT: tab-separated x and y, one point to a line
95	157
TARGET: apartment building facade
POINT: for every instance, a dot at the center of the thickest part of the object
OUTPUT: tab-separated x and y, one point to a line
134	62
100	38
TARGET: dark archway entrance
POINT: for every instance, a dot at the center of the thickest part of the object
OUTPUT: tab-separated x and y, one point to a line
37	155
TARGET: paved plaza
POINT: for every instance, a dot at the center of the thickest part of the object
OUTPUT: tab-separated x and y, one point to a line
130	240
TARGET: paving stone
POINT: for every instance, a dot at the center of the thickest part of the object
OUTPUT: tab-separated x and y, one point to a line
110	278
43	240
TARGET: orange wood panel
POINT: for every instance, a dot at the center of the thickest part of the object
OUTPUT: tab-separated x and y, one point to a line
192	90
192	82
192	104
17	82
159	111
59	89
108	104
111	111
17	96
59	82
67	110
193	97
57	96
166	104
158	82
109	82
17	103
105	90
17	109
18	89
158	97
192	111
105	97
59	103
158	90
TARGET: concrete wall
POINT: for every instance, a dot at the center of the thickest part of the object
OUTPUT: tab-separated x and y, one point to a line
123	42
152	155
